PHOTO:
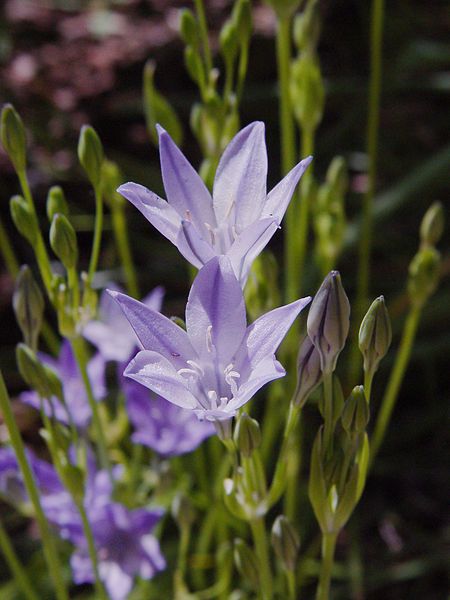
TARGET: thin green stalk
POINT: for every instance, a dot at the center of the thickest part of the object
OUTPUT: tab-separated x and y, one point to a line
395	380
100	593
98	228
50	553
6	250
376	35
200	10
262	552
368	378
328	547
328	411
242	70
79	352
292	585
124	249
72	277
15	566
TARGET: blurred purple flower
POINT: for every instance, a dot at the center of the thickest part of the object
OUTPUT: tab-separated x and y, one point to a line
165	428
237	220
111	333
219	363
76	401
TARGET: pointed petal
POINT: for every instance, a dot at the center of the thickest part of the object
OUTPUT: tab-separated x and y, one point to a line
156	210
153	299
155	331
266	333
278	199
185	190
249	244
158	374
110	342
194	244
215	312
266	370
240	182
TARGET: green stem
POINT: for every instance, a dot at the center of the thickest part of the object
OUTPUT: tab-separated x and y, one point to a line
328	411
15	566
292	585
80	357
98	227
48	542
368	378
123	247
72	277
99	588
262	552
6	250
328	547
242	70
203	26
395	380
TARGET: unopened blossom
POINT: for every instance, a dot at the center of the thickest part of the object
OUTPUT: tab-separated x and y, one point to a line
76	403
238	219
111	333
218	363
164	427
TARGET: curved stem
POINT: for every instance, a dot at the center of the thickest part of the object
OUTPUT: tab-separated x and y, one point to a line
262	552
328	411
328	546
124	250
99	588
98	228
7	251
15	566
200	10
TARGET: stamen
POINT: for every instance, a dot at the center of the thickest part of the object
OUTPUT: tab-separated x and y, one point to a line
230	209
196	367
211	233
188	215
230	376
209	342
212	395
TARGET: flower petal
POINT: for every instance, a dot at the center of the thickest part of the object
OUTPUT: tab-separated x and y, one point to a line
200	250
156	210
155	331
158	374
278	199
266	370
154	299
215	312
240	182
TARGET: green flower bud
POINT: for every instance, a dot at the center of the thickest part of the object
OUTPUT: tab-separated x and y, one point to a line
32	371
229	40
183	511
432	225
246	563
309	374
56	203
63	241
189	29
112	178
24	219
194	64
54	383
424	273
66	322
355	415
307	91
375	335
283	8
247	435
28	304
90	154
329	320
307	28
286	542
337	176
12	134
242	16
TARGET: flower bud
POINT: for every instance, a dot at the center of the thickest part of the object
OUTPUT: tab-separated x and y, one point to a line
32	371
193	64
229	40
12	134
24	219
283	8
247	435
63	241
242	16
307	28
329	320
189	30
355	415
309	374
111	179
90	154
246	562
307	91
28	304
423	275
56	203
183	511
286	542
432	225
337	176
375	335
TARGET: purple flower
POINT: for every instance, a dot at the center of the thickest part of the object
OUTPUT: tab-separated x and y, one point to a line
238	220
165	428
76	401
112	334
219	363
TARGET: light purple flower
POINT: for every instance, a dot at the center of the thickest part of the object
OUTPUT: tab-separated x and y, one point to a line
111	333
219	363
237	220
76	401
165	428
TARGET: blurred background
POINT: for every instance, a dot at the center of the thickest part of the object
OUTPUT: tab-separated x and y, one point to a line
69	62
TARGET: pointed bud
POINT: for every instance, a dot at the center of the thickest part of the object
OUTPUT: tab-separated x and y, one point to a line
56	203
309	374
182	511
424	273
307	91
329	320
432	225
229	40
246	562
112	178
247	435
189	29
24	219
307	28
242	16
32	371
284	8
63	241
355	415
12	134
286	542
337	176
193	64
375	335
90	154
28	304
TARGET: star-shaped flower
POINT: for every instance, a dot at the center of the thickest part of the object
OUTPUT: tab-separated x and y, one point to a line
237	220
219	363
